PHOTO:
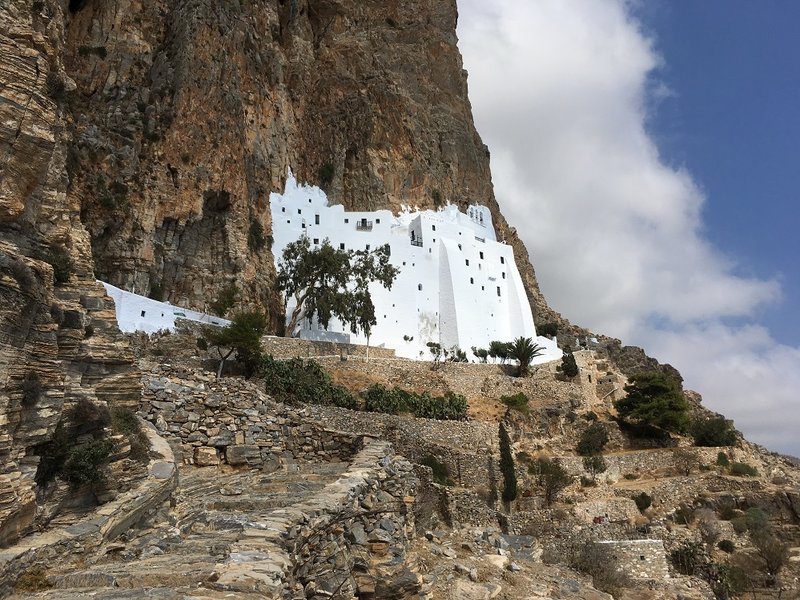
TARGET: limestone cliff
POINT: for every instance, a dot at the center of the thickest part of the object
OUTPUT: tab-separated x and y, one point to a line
187	114
139	142
58	337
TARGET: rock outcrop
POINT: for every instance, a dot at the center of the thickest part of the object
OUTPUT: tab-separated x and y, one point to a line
59	343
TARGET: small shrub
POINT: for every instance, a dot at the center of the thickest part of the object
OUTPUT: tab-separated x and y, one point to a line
743	470
643	501
684	514
482	354
727	509
590	416
31	389
325	174
436	196
594	465
547	329
83	462
631	476
569	367
689	559
739	524
202	344
55	85
715	431
756	519
256	239
593	440
587	481
156	291
125	421
225	300
299	380
441	474
518	402
722	460
726	546
98	51
58	258
88	416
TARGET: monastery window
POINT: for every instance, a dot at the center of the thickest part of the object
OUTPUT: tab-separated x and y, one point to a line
504	274
641	557
483	289
367	248
459	246
471	280
283	209
309	200
481	253
502	260
341	246
419	287
347	220
316	240
299	212
498	291
316	219
378	221
143	312
467	261
434	241
433	227
288	222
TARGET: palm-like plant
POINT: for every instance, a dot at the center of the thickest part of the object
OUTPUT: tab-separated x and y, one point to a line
524	350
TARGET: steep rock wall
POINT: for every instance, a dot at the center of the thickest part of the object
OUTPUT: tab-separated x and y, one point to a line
58	339
188	113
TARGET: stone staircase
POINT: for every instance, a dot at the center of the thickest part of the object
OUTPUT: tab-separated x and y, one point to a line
186	549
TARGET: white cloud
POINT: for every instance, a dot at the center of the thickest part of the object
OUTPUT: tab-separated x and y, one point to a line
559	91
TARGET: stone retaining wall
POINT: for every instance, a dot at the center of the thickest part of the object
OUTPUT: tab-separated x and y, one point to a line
333	544
641	560
229	420
284	347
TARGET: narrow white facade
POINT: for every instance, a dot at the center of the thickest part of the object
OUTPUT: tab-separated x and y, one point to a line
138	313
457	285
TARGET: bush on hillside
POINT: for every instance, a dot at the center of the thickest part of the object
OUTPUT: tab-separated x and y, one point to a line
743	470
656	400
714	431
298	380
518	401
593	439
568	365
450	407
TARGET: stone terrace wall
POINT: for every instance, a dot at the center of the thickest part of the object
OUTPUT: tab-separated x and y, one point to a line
230	420
639	559
284	347
468	449
336	543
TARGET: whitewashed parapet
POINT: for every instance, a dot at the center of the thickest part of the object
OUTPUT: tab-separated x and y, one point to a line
139	313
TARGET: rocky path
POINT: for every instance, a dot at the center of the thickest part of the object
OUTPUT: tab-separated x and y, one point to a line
193	549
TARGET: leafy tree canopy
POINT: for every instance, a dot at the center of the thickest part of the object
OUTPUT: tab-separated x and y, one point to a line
327	283
242	336
654	399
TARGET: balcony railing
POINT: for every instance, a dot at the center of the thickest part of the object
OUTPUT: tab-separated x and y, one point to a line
363	225
416	243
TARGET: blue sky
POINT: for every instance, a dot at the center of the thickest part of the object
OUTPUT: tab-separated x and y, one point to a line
731	116
647	154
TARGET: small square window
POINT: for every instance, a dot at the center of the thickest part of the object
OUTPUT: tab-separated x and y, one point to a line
481	254
433	227
316	240
347	220
504	274
419	287
483	289
283	209
502	260
316	219
341	246
377	221
143	313
299	212
471	280
367	247
288	222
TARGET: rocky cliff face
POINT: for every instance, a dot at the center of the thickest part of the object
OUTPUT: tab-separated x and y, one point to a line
139	142
187	114
59	343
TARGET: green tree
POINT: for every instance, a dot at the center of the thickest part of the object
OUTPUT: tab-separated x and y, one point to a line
593	440
327	283
242	336
594	465
714	431
568	365
524	350
551	477
480	353
507	467
654	399
499	350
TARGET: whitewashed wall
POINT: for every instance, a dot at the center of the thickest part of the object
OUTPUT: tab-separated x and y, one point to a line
460	287
138	313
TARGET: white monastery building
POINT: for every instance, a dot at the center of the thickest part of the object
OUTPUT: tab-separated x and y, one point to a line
457	285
